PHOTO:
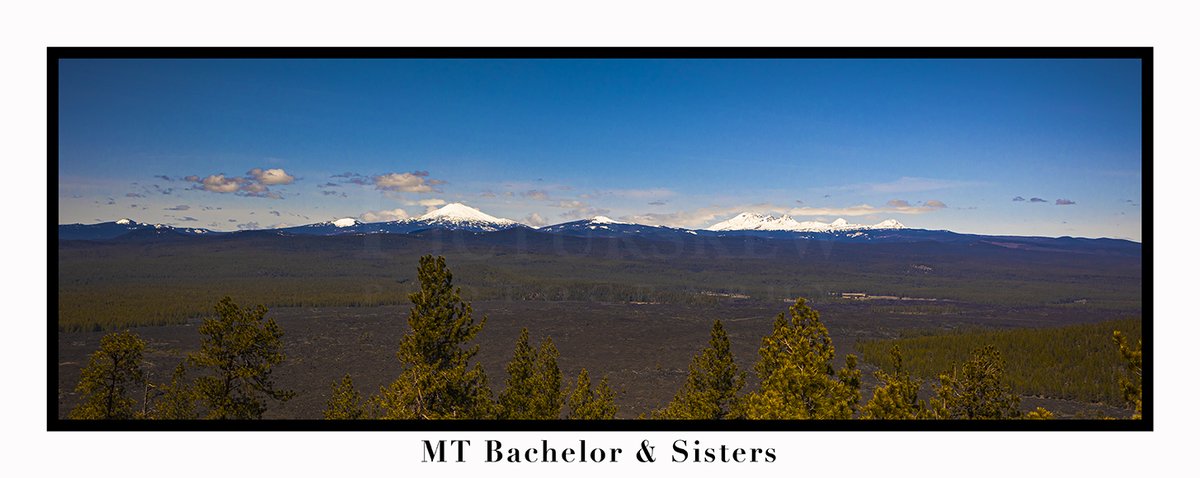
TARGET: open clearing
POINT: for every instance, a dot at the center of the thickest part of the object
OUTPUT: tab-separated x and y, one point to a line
644	349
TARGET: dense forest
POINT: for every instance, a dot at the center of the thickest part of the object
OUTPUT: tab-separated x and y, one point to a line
1074	362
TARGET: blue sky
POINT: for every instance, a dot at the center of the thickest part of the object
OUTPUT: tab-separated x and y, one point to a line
938	144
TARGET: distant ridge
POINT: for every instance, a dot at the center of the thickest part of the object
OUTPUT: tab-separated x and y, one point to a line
749	221
111	230
460	217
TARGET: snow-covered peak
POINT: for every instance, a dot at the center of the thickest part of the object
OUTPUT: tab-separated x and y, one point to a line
458	212
125	221
888	224
748	221
346	222
604	220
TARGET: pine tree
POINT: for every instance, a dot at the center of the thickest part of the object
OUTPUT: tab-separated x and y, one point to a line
896	396
712	386
550	400
588	404
345	403
239	347
1131	382
178	400
534	386
114	370
977	390
437	380
796	372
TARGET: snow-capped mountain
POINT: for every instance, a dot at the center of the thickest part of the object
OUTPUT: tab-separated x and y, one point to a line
749	221
744	227
121	227
455	217
458	216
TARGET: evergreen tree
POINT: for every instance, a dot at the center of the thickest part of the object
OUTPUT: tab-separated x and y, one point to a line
977	390
1131	382
712	386
534	386
550	377
796	372
178	400
239	347
345	403
896	396
588	404
111	373
437	380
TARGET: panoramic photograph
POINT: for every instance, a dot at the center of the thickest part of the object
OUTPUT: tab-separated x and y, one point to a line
850	240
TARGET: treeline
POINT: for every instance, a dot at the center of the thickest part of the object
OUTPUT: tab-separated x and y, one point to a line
121	304
1074	362
438	379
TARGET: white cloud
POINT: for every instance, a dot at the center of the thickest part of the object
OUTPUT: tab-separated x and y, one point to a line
253	184
584	213
579	209
271	177
218	183
535	220
384	216
404	182
428	204
570	204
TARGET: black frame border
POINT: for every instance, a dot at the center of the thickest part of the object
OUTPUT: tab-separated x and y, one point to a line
1145	54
